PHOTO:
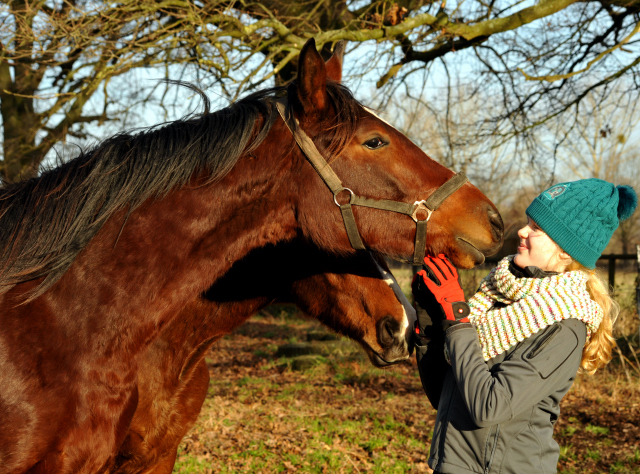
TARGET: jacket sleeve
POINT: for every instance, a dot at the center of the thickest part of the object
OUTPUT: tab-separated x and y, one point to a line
539	366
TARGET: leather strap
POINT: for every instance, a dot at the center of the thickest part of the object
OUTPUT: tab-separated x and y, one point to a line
432	203
447	189
305	143
325	171
420	243
351	227
333	182
384	204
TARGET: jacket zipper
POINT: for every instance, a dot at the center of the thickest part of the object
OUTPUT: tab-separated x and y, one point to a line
542	343
493	450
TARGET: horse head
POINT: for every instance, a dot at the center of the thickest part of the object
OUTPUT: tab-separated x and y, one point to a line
372	159
356	296
360	297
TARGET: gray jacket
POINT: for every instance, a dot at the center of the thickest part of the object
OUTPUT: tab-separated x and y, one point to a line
497	417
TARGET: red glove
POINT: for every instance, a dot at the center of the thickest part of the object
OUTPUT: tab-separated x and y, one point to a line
441	280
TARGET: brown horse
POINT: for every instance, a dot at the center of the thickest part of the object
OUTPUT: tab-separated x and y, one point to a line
99	255
356	296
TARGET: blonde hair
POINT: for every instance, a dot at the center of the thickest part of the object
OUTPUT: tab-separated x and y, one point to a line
598	349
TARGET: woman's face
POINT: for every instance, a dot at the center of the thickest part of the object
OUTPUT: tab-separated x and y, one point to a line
537	249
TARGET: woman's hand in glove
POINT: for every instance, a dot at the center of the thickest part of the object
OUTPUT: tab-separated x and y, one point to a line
436	288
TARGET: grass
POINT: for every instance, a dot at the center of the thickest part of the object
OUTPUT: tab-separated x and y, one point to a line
191	465
566	452
341	416
311	441
597	430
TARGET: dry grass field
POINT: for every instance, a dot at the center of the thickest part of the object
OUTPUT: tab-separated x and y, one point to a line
332	412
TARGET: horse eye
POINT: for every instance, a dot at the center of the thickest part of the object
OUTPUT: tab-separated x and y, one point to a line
374	143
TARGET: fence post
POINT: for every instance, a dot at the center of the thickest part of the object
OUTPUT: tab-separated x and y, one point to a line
612	274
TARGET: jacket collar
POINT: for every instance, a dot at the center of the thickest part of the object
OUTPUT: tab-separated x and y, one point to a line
529	272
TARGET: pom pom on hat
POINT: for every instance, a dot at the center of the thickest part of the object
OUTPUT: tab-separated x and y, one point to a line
628	200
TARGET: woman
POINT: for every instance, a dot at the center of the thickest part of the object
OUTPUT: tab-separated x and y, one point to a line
497	368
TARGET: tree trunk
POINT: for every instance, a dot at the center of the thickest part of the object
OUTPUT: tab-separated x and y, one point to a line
20	123
19	81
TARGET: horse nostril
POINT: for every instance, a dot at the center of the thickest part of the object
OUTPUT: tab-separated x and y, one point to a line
387	329
496	224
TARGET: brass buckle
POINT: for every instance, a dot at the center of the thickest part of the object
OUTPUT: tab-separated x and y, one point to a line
421	206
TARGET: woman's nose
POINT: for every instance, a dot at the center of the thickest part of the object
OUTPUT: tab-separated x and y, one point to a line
522	233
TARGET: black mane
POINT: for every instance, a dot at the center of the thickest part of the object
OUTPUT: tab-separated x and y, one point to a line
46	221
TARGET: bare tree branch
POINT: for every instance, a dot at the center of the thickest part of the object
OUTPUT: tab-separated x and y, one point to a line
55	56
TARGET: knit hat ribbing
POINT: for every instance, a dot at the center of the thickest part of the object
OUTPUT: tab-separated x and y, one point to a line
581	216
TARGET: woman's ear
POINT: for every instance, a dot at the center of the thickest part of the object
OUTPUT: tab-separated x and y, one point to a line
565	258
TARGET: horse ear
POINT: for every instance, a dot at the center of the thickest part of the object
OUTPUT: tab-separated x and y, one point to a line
312	78
334	64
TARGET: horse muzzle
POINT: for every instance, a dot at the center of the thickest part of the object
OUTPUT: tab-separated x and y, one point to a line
394	343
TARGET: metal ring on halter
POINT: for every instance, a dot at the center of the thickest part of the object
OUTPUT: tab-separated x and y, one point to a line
421	206
335	196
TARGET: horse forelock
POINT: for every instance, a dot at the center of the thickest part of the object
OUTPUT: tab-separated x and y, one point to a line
47	220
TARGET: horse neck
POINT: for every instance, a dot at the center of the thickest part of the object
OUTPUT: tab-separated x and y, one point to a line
264	275
293	272
138	272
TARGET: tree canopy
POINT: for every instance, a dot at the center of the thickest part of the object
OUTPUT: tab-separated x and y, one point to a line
531	62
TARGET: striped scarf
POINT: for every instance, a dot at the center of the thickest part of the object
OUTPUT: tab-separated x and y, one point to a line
532	304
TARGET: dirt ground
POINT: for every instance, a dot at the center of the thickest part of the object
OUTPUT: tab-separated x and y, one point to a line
334	413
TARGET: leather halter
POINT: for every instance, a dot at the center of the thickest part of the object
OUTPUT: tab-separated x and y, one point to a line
427	206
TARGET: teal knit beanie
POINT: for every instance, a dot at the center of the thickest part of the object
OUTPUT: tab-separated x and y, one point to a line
581	216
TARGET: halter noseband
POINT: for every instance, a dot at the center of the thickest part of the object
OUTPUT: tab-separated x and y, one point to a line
330	178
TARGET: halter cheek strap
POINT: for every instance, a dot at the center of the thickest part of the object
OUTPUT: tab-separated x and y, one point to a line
419	211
